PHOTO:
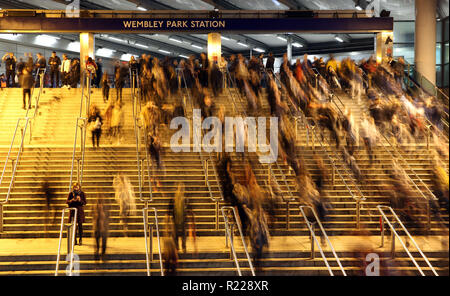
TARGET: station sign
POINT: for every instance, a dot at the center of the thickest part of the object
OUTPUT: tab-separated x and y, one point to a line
196	25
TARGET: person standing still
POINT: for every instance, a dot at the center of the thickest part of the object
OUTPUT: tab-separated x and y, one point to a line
54	62
77	199
65	71
10	65
27	82
41	64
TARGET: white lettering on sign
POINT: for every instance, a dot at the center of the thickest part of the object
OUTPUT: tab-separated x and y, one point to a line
154	24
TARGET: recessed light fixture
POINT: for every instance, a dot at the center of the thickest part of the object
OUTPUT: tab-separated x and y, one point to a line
142	8
281	38
338	39
224	38
358	7
164	51
196	46
183	56
296	44
242	44
259	49
141	45
116	39
175	40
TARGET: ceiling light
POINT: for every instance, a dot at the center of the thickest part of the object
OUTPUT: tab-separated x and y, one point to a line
175	40
141	45
358	7
259	49
45	39
276	2
127	56
116	39
74	46
141	8
296	44
281	38
10	36
242	44
338	39
224	38
196	46
164	51
183	56
105	52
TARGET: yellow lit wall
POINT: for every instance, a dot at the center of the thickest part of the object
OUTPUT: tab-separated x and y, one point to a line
384	50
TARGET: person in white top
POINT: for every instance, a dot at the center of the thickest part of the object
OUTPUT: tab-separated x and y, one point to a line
65	71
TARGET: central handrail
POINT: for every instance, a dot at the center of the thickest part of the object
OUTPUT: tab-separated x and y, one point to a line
84	120
313	237
291	197
148	250
394	232
134	78
230	237
217	200
303	117
16	161
70	242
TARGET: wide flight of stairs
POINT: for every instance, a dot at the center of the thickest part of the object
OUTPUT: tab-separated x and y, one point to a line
25	214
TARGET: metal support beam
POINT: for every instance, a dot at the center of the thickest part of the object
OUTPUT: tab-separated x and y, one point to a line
222	4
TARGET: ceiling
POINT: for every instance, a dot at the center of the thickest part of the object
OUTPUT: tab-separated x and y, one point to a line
196	43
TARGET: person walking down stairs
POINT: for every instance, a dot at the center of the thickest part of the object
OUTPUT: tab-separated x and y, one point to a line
125	197
77	199
101	226
27	82
95	122
178	207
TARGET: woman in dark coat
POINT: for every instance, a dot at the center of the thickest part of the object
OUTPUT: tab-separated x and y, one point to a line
77	199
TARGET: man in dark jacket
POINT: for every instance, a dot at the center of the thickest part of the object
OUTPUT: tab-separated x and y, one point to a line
10	65
77	199
27	83
270	62
54	62
41	64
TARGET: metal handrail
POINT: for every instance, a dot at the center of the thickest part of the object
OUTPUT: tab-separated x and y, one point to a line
435	128
71	243
313	237
19	152
217	200
41	75
230	237
83	132
394	232
291	197
137	132
359	199
148	257
407	164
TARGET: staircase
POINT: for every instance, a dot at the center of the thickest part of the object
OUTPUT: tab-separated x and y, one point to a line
48	158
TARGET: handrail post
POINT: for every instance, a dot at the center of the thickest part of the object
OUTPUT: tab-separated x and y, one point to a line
313	255
392	245
358	214
12	165
288	217
206	172
428	215
333	176
382	231
78	169
217	214
232	241
1	217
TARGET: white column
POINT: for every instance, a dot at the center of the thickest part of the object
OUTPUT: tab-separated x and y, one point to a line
289	49
425	39
87	46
